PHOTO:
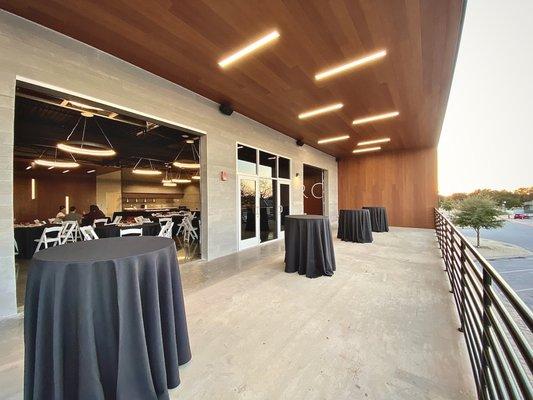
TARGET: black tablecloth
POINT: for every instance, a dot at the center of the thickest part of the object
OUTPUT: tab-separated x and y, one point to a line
355	226
104	319
108	231
378	218
308	245
25	237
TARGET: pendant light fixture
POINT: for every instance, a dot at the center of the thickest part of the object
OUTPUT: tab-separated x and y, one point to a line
188	164
167	181
84	147
54	162
145	171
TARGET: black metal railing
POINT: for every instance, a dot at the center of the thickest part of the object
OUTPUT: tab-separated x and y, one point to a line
496	323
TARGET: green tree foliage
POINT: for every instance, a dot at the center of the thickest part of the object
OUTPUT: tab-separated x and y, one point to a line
447	204
478	211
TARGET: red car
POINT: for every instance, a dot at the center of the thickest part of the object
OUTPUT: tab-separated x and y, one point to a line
521	216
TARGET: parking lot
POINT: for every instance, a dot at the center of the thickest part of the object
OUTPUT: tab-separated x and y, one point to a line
518	272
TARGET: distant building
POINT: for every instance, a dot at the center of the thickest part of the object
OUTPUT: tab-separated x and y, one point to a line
528	207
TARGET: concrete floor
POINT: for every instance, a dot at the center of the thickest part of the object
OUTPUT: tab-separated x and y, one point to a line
383	327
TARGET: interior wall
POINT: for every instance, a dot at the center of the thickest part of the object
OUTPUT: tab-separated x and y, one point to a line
109	192
32	53
50	190
404	182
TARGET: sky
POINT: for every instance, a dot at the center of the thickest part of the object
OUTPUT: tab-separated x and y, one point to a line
487	135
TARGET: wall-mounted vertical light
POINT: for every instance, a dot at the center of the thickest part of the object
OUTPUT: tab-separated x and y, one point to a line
33	189
67	202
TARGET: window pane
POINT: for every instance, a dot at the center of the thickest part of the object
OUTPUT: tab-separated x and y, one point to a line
284	168
247	160
247	208
267	165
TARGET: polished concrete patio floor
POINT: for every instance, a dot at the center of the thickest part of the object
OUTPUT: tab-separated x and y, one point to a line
383	327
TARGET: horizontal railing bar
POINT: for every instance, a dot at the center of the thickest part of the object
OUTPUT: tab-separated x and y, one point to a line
493	338
514	363
517	302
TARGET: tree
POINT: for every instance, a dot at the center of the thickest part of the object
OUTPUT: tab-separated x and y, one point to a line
447	204
478	211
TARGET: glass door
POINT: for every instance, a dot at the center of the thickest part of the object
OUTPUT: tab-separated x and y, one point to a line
249	212
268	216
284	206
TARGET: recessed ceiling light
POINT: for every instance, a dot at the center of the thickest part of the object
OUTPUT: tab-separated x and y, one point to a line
377	117
65	171
367	149
350	64
376	141
185	136
50	167
28	167
321	110
249	49
333	139
91	171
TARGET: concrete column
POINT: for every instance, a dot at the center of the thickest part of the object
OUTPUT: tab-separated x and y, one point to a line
8	287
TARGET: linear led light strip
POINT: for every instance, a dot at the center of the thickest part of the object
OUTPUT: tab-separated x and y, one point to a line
367	149
333	139
321	110
377	117
351	64
376	141
249	49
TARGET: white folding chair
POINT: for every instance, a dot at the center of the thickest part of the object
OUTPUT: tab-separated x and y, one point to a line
50	236
117	219
88	233
166	230
131	232
16	247
99	221
163	221
68	232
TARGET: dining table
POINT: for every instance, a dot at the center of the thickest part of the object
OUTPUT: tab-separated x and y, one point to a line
113	230
355	226
378	218
309	245
105	319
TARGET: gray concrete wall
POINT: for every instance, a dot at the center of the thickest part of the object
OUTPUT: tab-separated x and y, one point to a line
32	53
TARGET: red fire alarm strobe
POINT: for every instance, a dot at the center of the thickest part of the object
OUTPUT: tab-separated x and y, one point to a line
223	176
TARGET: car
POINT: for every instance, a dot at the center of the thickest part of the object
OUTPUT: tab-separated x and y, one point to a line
521	216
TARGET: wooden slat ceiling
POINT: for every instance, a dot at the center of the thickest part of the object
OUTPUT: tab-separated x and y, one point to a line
182	41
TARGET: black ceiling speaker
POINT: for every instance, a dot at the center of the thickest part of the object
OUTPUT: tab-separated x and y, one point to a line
226	108
299	142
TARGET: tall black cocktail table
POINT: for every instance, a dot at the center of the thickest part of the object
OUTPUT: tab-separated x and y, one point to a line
355	226
378	218
104	319
309	245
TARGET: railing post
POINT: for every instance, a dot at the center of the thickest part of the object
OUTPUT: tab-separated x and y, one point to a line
463	284
487	303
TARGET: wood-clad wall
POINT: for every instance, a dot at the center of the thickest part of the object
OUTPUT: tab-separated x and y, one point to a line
51	190
404	181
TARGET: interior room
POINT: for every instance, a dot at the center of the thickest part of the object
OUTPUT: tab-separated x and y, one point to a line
151	172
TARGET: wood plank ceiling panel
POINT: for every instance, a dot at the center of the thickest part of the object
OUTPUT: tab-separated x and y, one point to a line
182	41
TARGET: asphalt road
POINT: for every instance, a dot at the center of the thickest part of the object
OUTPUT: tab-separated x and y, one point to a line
518	272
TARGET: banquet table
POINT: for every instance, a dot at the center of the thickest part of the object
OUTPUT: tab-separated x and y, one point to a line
108	231
104	319
26	236
378	218
309	245
355	226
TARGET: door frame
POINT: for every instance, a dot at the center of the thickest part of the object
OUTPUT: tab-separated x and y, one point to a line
253	241
281	234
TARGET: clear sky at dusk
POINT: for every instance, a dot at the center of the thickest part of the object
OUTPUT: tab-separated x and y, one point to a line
487	136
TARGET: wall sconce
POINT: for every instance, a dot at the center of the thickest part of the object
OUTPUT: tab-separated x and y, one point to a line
67	203
33	189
